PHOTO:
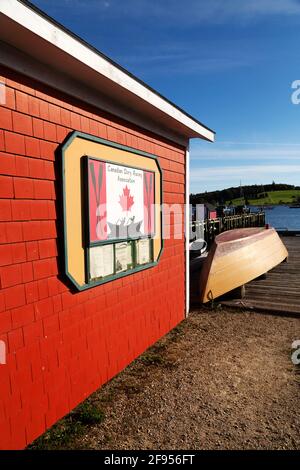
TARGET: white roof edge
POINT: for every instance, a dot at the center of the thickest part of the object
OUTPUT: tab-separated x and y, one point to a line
42	27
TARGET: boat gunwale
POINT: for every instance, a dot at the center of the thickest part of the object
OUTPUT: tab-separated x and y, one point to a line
260	232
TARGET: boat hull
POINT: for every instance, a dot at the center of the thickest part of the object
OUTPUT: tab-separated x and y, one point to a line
237	257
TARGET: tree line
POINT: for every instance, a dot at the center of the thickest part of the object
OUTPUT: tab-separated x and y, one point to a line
247	192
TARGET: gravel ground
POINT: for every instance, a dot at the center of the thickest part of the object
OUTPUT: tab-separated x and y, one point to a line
221	380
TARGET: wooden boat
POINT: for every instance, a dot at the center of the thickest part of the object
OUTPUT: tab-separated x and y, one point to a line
237	257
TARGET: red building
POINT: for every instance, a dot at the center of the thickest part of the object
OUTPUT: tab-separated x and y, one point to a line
65	331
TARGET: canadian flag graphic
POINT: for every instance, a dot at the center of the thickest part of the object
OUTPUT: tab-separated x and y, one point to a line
121	201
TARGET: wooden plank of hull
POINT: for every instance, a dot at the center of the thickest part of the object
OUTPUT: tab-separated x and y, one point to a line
237	257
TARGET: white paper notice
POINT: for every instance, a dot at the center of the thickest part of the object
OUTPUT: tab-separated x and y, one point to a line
123	256
101	261
143	251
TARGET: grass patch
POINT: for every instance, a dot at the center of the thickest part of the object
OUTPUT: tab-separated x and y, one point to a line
63	433
273	198
58	436
152	359
88	413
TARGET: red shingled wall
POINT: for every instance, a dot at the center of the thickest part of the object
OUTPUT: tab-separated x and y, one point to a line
62	345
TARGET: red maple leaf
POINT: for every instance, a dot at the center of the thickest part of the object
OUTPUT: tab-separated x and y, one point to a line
126	200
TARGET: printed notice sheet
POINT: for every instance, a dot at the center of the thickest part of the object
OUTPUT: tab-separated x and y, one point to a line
143	251
123	256
101	261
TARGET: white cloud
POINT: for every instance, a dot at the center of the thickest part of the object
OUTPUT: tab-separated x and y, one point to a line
191	63
286	144
205	178
267	7
220	172
244	154
216	11
183	13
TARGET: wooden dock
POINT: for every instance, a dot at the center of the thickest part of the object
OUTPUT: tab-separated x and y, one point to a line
208	229
279	290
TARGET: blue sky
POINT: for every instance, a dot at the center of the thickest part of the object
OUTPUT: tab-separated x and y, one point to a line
229	63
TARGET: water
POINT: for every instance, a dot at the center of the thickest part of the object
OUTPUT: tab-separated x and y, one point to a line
282	217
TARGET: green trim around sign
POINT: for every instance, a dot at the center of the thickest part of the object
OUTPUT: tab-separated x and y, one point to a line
109	143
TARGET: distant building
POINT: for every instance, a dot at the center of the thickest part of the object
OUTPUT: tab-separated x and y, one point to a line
210	211
204	211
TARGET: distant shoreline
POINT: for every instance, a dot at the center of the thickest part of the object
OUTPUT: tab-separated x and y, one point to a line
286	204
249	195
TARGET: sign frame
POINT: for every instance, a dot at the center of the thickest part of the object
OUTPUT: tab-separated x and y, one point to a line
74	150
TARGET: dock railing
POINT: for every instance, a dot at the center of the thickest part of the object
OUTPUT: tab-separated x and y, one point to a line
208	229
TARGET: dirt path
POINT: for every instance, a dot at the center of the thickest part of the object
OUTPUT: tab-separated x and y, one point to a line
221	380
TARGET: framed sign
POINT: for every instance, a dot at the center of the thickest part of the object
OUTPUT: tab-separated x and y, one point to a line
120	202
112	198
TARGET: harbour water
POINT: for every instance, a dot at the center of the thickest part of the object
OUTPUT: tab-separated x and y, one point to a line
283	217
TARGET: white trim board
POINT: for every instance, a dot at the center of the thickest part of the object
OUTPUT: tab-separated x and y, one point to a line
187	231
